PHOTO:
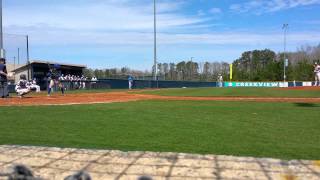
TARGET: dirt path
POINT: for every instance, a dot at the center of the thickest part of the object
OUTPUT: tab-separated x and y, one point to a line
96	98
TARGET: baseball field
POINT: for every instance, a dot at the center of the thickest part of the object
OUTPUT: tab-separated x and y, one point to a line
259	122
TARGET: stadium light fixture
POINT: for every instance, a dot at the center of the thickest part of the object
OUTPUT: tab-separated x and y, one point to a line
285	60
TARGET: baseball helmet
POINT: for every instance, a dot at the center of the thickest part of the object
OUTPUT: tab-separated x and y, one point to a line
23	76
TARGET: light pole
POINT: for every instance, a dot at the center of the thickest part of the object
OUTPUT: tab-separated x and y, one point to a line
2	51
28	58
18	56
14	67
155	39
250	58
285	61
14	62
191	73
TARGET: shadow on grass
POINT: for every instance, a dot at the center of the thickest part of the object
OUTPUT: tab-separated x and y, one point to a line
309	105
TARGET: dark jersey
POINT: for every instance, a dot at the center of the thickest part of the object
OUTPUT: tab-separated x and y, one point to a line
23	84
3	69
54	74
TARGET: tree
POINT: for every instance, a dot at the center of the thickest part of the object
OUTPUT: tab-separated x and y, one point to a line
165	70
88	73
255	65
172	71
206	71
181	70
124	70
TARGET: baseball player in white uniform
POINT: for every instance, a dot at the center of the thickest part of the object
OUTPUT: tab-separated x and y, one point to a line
23	86
316	74
33	85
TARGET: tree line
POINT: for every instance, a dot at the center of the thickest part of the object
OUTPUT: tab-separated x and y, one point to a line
256	65
266	65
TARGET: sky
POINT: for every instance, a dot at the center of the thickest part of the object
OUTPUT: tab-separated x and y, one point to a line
117	33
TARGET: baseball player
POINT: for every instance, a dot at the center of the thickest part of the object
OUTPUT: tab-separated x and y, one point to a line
33	85
316	74
220	80
130	81
3	79
23	86
53	77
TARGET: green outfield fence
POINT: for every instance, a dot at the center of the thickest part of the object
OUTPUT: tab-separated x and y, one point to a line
143	84
137	84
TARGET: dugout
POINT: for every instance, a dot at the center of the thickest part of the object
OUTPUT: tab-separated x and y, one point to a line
38	69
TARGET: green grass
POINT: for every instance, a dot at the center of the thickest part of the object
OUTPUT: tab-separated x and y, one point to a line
79	91
280	130
254	92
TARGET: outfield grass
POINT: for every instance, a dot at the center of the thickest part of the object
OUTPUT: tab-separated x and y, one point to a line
239	92
280	130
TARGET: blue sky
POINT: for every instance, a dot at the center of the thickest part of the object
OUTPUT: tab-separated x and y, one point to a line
116	33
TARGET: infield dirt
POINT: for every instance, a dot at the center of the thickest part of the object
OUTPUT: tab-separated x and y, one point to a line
111	97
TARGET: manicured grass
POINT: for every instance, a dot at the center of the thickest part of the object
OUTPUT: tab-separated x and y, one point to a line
79	91
281	130
255	92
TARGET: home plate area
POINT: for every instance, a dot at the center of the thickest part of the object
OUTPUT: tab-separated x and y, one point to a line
58	163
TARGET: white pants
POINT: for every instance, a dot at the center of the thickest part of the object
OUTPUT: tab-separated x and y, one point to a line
51	83
130	84
317	79
22	92
34	86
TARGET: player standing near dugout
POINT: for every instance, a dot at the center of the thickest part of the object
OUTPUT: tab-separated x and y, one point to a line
3	78
316	74
53	78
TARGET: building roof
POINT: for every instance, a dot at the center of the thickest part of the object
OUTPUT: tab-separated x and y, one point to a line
48	62
52	62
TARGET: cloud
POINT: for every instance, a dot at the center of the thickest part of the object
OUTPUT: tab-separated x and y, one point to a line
201	13
101	15
312	22
117	27
122	22
260	6
215	11
50	36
